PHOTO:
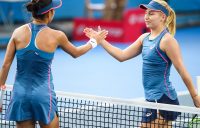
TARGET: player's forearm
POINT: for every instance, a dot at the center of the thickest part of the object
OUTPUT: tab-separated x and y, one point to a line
188	82
113	51
4	74
82	50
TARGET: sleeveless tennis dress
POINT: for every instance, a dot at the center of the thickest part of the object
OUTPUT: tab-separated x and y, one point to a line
33	96
156	72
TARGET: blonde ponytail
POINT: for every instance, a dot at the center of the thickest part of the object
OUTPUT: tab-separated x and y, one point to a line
171	19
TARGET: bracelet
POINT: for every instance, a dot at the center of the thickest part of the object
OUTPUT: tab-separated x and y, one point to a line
93	42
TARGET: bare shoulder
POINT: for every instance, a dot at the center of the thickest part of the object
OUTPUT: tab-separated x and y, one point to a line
21	31
21	28
56	33
141	38
54	30
168	39
168	42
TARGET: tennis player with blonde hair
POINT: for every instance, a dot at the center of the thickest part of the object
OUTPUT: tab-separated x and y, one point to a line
159	51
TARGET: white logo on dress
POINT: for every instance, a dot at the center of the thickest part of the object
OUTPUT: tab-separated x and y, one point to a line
152	46
148	114
36	53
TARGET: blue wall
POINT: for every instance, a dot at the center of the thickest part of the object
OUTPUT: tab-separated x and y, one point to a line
75	8
185	5
177	5
17	11
12	11
70	9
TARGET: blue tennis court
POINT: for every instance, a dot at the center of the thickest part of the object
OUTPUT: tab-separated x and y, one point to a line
98	73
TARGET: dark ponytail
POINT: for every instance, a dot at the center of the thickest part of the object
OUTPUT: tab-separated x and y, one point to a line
35	5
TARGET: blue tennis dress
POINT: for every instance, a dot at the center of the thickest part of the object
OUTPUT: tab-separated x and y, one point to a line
33	96
156	70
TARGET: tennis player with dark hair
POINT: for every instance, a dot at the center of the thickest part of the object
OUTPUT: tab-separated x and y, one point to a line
33	96
159	51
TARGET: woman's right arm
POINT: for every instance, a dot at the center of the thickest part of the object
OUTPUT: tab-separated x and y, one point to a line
74	51
122	55
9	56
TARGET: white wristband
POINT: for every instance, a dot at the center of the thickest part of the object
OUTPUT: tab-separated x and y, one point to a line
93	42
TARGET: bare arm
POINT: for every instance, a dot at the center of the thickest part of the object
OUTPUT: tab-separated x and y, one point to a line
75	52
9	56
171	47
68	47
122	55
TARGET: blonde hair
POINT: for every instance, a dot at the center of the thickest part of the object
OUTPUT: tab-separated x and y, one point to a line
171	19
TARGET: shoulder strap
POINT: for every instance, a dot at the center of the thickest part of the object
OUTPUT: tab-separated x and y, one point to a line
162	34
34	31
146	37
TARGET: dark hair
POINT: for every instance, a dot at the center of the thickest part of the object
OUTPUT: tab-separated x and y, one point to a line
35	5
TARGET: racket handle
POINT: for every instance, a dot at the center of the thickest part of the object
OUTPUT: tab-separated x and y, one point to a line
2	92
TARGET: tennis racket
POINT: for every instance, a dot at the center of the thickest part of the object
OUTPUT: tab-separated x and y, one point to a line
195	122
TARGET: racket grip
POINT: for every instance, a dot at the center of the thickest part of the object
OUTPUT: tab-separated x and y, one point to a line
2	92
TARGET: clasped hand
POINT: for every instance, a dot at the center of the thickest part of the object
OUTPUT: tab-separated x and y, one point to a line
99	35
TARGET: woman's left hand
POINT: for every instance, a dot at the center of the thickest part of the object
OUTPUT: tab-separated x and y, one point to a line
196	101
98	35
89	32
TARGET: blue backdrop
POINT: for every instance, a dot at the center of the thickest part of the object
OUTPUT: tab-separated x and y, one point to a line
75	8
